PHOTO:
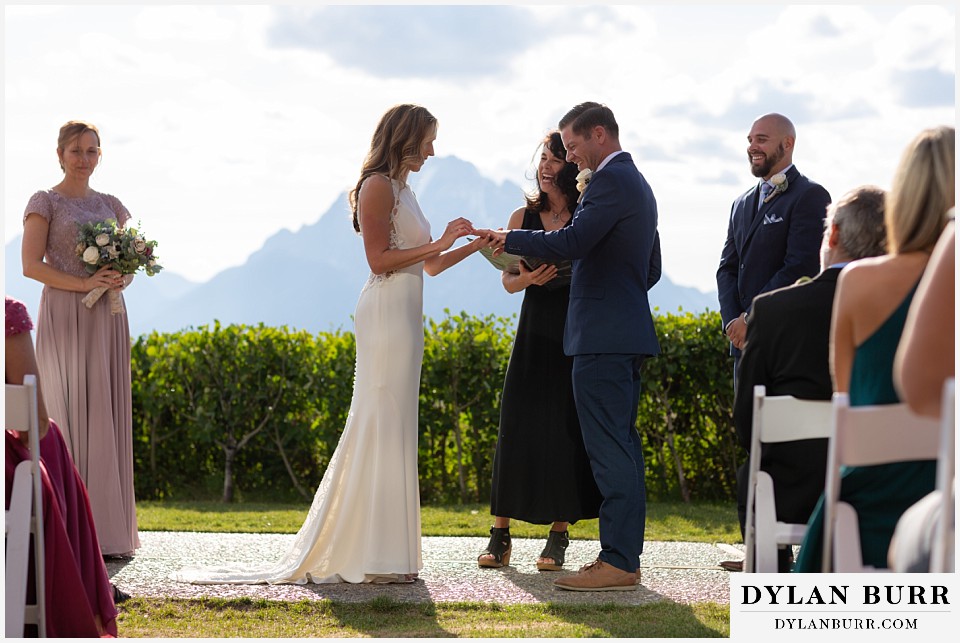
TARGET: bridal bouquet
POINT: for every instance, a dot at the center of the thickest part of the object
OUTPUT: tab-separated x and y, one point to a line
104	243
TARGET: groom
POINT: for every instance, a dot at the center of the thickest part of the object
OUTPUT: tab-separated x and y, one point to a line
609	332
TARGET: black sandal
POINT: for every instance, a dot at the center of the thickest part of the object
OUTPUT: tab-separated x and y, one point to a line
499	547
555	550
119	595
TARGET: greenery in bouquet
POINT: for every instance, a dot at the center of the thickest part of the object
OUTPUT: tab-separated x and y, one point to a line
104	243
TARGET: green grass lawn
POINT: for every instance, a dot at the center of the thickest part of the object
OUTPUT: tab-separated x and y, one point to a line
669	521
385	617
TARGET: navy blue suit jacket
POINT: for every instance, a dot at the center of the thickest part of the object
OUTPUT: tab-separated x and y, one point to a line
773	248
614	243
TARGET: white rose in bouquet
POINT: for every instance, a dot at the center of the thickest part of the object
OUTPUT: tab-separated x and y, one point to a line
103	239
140	246
91	255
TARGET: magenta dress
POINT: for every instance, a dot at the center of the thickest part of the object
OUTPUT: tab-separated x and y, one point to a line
77	586
84	359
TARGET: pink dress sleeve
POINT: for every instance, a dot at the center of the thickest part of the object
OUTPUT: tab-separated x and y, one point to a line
40	204
17	318
123	215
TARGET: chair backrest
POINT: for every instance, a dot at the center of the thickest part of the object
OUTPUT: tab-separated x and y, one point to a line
870	435
784	418
940	555
20	406
946	459
867	435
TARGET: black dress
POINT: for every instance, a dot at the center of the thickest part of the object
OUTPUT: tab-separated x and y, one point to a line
541	473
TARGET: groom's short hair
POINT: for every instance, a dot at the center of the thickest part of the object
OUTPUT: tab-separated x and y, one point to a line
586	116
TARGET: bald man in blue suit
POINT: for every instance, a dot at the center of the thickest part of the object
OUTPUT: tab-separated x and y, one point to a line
614	245
774	231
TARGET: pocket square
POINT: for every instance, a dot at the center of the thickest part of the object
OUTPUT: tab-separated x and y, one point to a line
772	218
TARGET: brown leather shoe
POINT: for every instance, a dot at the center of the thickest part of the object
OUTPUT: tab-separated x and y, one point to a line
598	576
732	565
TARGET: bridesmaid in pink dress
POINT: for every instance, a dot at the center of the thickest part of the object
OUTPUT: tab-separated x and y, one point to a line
84	353
78	592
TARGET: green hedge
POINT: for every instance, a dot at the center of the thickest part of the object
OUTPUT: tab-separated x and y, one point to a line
255	411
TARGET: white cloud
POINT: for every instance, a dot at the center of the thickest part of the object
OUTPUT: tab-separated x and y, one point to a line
407	41
920	37
207	24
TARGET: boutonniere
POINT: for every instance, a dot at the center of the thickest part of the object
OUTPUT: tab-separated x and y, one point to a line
780	185
583	180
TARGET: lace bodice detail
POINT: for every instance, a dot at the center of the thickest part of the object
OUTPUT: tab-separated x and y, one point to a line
17	319
408	228
64	215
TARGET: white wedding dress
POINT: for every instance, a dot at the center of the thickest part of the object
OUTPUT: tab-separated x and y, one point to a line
364	524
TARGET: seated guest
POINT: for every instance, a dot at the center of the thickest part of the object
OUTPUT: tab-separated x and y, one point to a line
787	351
79	596
925	360
870	309
925	357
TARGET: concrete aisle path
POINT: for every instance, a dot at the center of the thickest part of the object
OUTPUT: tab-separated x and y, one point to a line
680	572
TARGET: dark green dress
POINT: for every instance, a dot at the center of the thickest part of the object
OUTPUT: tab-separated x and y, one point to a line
880	493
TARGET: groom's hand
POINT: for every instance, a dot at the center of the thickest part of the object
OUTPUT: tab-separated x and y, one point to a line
496	238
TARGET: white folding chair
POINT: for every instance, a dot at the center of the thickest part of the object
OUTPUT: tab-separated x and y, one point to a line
863	436
942	555
781	418
24	519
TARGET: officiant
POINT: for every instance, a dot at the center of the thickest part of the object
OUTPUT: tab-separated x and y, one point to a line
541	473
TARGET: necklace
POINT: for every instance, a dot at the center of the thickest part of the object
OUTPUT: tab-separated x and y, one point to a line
557	216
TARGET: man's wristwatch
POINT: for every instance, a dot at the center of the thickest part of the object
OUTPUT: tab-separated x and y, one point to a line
743	316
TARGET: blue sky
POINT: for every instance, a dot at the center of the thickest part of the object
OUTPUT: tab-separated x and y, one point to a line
223	124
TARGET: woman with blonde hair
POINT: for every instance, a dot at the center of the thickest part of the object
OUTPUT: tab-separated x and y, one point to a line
869	312
84	353
364	524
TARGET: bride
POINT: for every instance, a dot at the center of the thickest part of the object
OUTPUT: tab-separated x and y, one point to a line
364	524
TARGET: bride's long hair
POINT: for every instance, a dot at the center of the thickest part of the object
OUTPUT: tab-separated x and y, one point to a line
394	148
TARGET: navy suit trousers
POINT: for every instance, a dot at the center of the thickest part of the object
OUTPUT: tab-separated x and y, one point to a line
606	388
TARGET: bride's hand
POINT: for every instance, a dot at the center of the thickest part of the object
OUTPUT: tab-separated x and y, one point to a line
455	229
482	241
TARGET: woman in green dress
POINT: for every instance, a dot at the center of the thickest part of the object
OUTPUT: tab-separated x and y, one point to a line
873	296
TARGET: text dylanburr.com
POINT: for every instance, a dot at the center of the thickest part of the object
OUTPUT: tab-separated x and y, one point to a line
913	607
